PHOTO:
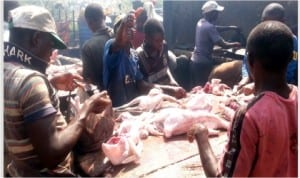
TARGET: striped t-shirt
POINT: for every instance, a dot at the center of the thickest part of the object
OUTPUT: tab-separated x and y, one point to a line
28	96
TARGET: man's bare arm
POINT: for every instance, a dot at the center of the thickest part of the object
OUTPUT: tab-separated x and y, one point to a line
53	144
207	157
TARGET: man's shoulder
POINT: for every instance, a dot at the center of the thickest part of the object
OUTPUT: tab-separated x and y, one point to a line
19	70
97	40
207	27
23	79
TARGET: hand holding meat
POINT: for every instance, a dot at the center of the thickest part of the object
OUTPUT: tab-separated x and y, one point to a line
178	92
126	30
95	104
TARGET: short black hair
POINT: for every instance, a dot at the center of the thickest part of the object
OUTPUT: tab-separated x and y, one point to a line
271	42
153	26
94	12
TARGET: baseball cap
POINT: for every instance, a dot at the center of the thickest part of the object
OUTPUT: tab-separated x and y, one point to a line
211	6
36	18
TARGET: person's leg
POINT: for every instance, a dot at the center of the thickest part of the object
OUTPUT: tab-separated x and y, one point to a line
194	73
200	72
182	72
172	61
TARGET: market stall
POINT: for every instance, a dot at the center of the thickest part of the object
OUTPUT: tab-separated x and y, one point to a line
155	130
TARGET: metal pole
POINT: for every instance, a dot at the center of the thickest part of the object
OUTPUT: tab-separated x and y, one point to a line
73	21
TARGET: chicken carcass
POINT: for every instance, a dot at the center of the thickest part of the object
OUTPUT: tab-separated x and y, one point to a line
201	101
140	125
151	102
178	121
122	150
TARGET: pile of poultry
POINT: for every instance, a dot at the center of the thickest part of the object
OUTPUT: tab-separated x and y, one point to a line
159	114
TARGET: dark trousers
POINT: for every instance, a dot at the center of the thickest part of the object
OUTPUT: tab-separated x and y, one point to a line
200	72
179	68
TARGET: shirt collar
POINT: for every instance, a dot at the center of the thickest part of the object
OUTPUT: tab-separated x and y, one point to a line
15	53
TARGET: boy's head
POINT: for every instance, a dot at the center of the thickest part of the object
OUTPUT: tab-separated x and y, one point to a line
154	34
270	44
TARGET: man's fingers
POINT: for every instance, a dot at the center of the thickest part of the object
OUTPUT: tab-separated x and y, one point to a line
190	136
101	98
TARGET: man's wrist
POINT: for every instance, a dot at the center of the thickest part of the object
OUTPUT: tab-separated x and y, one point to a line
52	80
201	137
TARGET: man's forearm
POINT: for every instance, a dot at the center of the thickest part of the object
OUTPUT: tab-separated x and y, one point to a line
226	28
165	88
145	87
208	159
52	144
172	80
70	134
121	40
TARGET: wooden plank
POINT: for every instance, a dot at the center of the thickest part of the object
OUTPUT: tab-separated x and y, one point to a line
174	157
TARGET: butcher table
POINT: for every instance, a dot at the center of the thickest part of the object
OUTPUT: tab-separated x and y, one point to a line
174	157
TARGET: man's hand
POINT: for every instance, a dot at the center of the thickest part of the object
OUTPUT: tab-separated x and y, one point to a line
96	104
175	91
65	81
179	92
236	45
207	157
199	132
126	30
247	89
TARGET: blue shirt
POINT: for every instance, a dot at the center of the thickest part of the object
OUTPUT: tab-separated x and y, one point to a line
206	36
120	74
292	69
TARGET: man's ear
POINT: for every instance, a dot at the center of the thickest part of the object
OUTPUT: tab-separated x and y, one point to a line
91	24
35	39
147	38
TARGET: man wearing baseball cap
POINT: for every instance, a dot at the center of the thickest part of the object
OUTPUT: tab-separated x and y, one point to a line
37	137
206	37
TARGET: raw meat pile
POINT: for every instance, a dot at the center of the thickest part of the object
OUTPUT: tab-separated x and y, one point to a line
158	114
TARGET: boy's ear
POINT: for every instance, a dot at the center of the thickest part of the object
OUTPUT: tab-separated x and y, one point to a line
250	59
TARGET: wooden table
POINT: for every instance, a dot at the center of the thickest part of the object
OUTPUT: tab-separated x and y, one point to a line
174	157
